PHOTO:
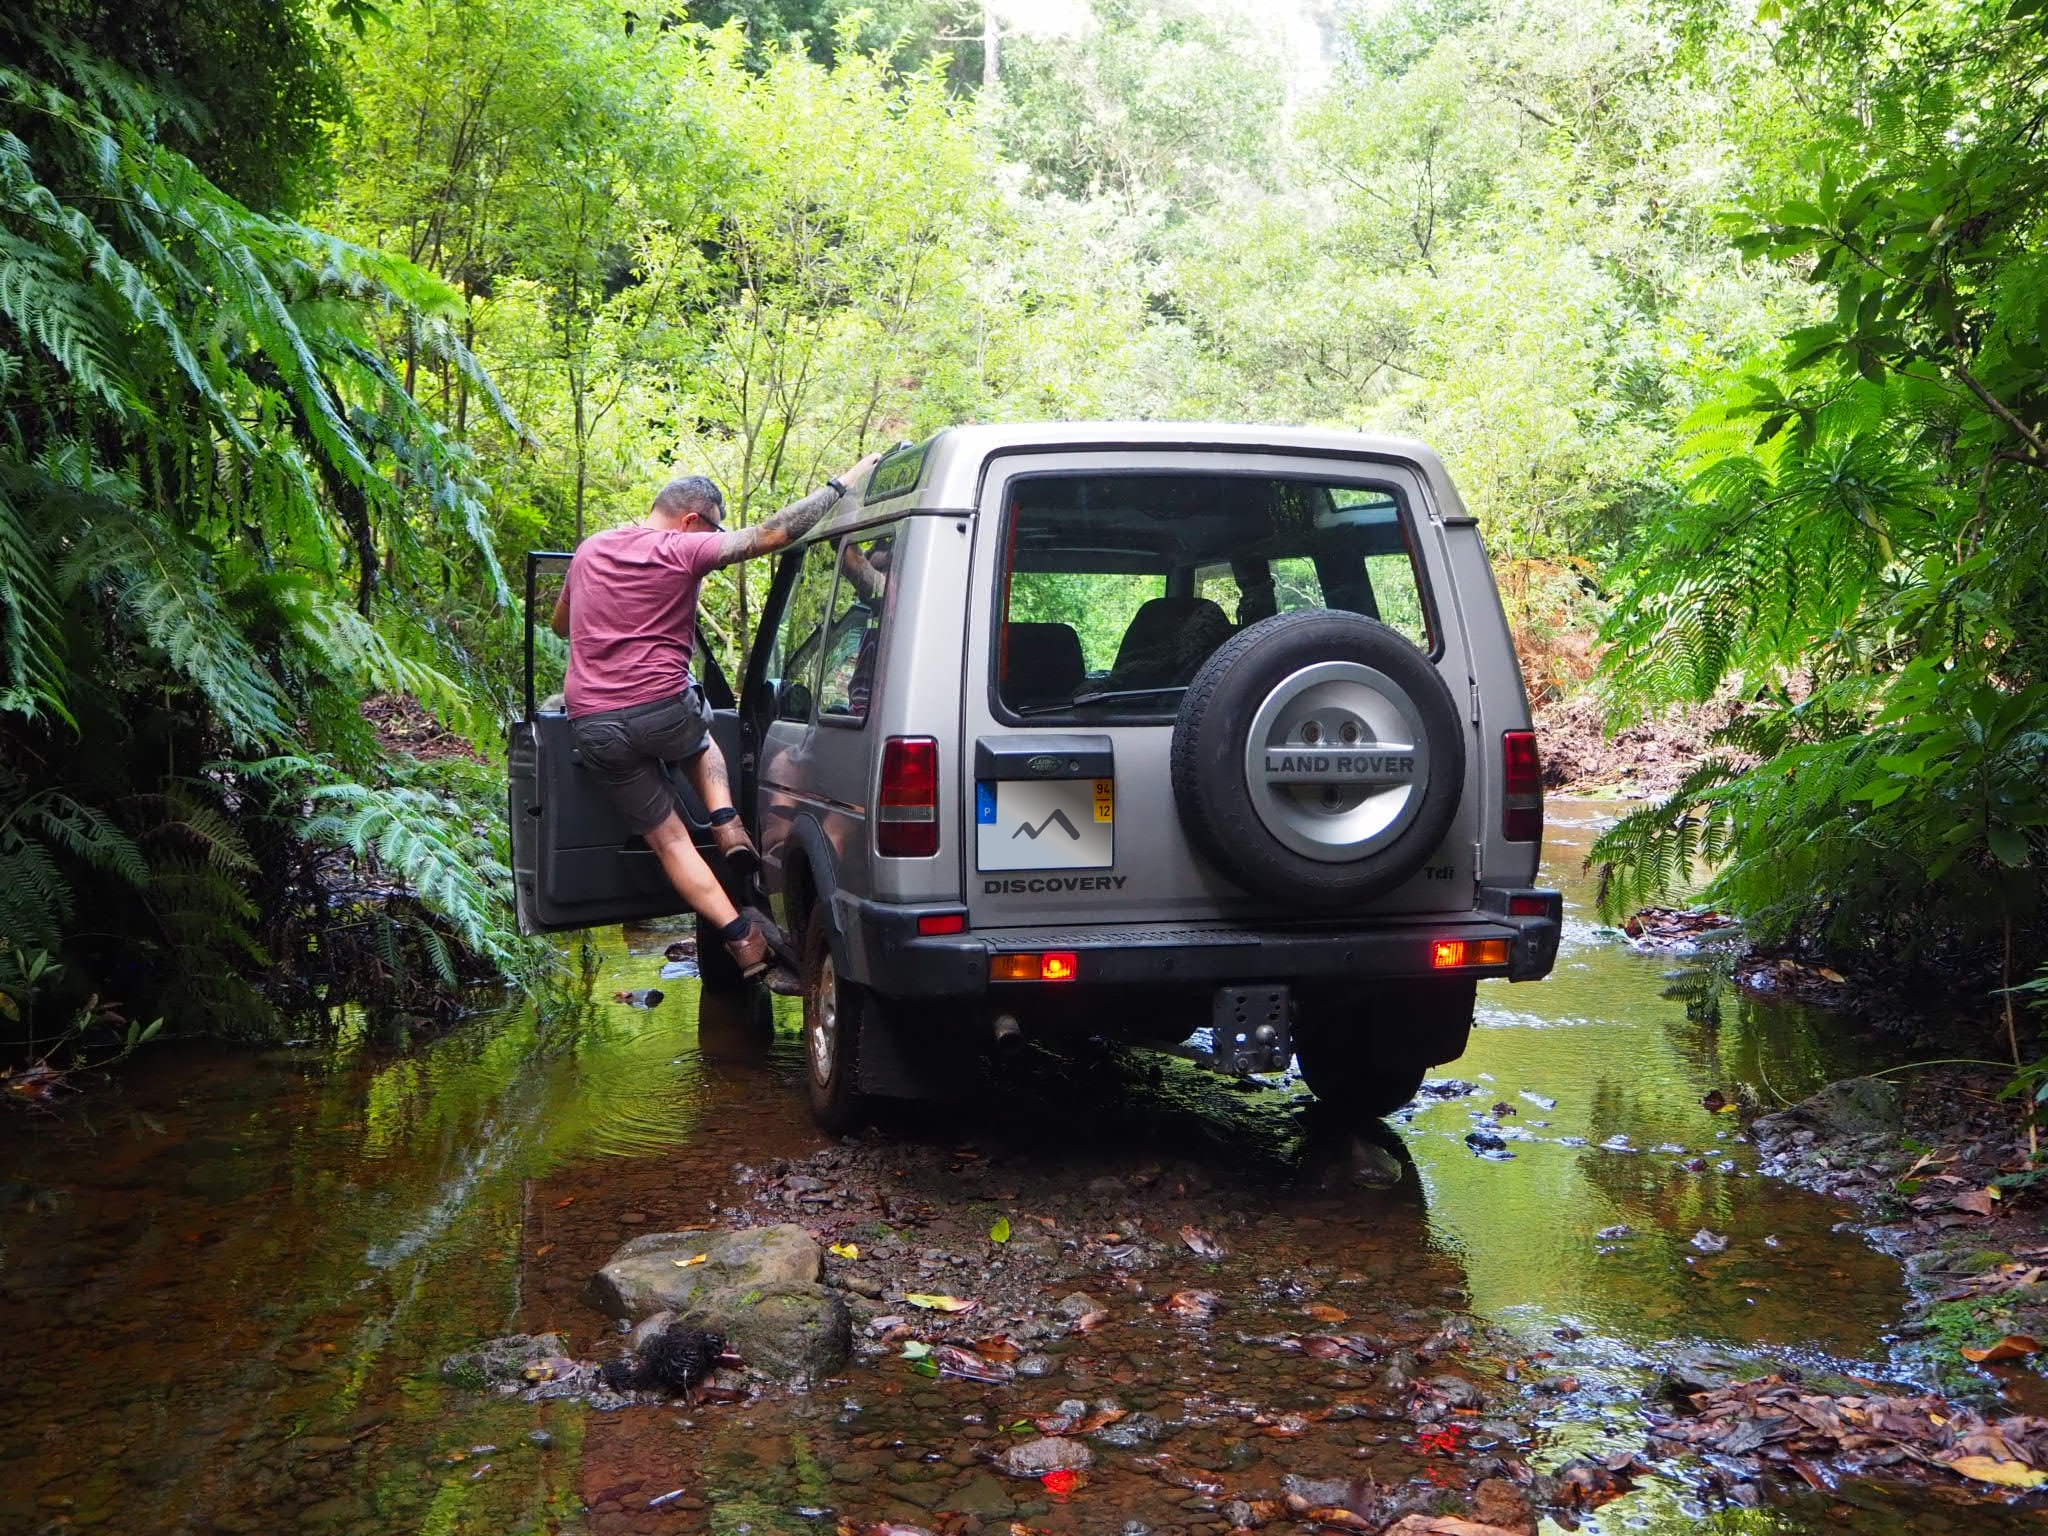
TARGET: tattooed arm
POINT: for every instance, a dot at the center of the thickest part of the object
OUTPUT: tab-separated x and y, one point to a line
788	525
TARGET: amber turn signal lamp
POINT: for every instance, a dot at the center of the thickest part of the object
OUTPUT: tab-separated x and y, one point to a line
1450	954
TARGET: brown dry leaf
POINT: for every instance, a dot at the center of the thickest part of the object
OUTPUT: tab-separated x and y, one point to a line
1324	1313
1444	1525
1201	1243
1978	1202
1088	1322
2007	1474
565	1200
2014	1346
543	1250
997	1348
690	1263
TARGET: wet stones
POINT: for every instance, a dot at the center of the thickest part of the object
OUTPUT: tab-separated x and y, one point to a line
516	1359
1050	1453
1854	1107
668	1271
758	1289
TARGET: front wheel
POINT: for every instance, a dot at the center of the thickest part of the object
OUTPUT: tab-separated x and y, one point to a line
1368	1047
834	1012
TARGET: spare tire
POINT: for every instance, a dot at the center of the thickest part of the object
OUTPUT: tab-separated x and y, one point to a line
1318	758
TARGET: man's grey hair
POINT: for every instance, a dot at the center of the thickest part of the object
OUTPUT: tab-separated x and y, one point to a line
690	493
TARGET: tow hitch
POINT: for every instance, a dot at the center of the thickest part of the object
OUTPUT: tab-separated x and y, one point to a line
1251	1029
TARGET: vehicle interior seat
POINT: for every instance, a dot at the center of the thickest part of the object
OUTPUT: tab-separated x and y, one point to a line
1169	639
1041	663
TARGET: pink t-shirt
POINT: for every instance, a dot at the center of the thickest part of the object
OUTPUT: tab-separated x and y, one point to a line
632	614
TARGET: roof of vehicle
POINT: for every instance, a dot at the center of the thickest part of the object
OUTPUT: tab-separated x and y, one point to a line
956	456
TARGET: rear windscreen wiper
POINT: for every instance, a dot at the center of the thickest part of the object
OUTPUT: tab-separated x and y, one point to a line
1110	696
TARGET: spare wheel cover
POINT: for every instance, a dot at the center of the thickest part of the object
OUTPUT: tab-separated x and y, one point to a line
1337	761
1318	759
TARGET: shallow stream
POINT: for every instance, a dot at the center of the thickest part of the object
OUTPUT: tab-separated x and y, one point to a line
226	1281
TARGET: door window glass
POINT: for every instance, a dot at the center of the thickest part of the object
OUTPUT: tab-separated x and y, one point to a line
853	638
793	659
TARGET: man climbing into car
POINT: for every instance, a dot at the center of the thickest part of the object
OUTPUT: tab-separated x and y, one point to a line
629	611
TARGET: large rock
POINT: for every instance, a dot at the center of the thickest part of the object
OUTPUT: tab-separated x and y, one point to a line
791	1332
1854	1107
757	1289
654	1274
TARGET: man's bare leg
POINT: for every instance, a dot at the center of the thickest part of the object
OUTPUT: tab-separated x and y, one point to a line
707	773
689	874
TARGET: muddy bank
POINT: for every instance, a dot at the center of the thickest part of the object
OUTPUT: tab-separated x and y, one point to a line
1936	1165
1639	762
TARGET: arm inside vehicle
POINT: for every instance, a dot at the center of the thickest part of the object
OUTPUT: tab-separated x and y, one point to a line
773	533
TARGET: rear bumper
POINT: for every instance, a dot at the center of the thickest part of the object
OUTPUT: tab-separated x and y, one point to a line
882	949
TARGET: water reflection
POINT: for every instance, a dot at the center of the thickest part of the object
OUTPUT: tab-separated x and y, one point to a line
1630	1144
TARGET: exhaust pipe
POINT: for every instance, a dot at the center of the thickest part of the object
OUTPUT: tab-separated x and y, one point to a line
1009	1034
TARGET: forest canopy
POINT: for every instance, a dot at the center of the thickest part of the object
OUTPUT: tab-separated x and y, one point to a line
315	316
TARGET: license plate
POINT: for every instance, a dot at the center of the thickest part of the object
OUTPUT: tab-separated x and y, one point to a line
1045	824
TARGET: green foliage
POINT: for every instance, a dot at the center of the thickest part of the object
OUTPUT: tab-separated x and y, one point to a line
1858	539
205	446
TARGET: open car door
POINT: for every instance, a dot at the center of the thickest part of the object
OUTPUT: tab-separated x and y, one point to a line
575	863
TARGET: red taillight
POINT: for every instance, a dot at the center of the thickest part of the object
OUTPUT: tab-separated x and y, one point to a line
1528	906
938	924
1521	818
907	810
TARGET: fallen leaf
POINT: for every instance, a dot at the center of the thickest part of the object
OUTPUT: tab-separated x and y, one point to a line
1062	1482
996	1348
2007	1474
543	1250
1196	1306
844	1250
2014	1346
565	1200
1201	1243
954	1361
1336	1518
932	1303
1324	1313
915	1349
1977	1202
690	1263
1087	1322
1000	1232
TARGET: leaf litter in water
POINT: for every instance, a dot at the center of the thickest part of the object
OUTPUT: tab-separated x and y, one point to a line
2014	1346
1194	1306
935	1303
1201	1243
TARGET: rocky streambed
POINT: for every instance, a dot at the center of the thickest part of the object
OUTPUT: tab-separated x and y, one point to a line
1115	1294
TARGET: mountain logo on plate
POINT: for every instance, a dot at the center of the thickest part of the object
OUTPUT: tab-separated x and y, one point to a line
1055	817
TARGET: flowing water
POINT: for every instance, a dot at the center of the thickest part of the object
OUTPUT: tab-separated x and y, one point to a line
227	1280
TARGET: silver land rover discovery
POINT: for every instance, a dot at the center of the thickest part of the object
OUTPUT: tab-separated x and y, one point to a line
1158	731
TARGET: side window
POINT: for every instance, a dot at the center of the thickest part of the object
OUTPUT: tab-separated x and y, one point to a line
793	662
853	638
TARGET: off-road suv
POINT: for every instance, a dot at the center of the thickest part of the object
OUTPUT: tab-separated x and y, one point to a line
1159	731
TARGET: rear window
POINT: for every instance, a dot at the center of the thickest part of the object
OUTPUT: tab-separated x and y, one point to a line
1119	586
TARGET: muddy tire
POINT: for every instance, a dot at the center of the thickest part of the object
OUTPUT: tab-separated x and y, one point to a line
1318	759
835	1010
1366	1050
716	968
